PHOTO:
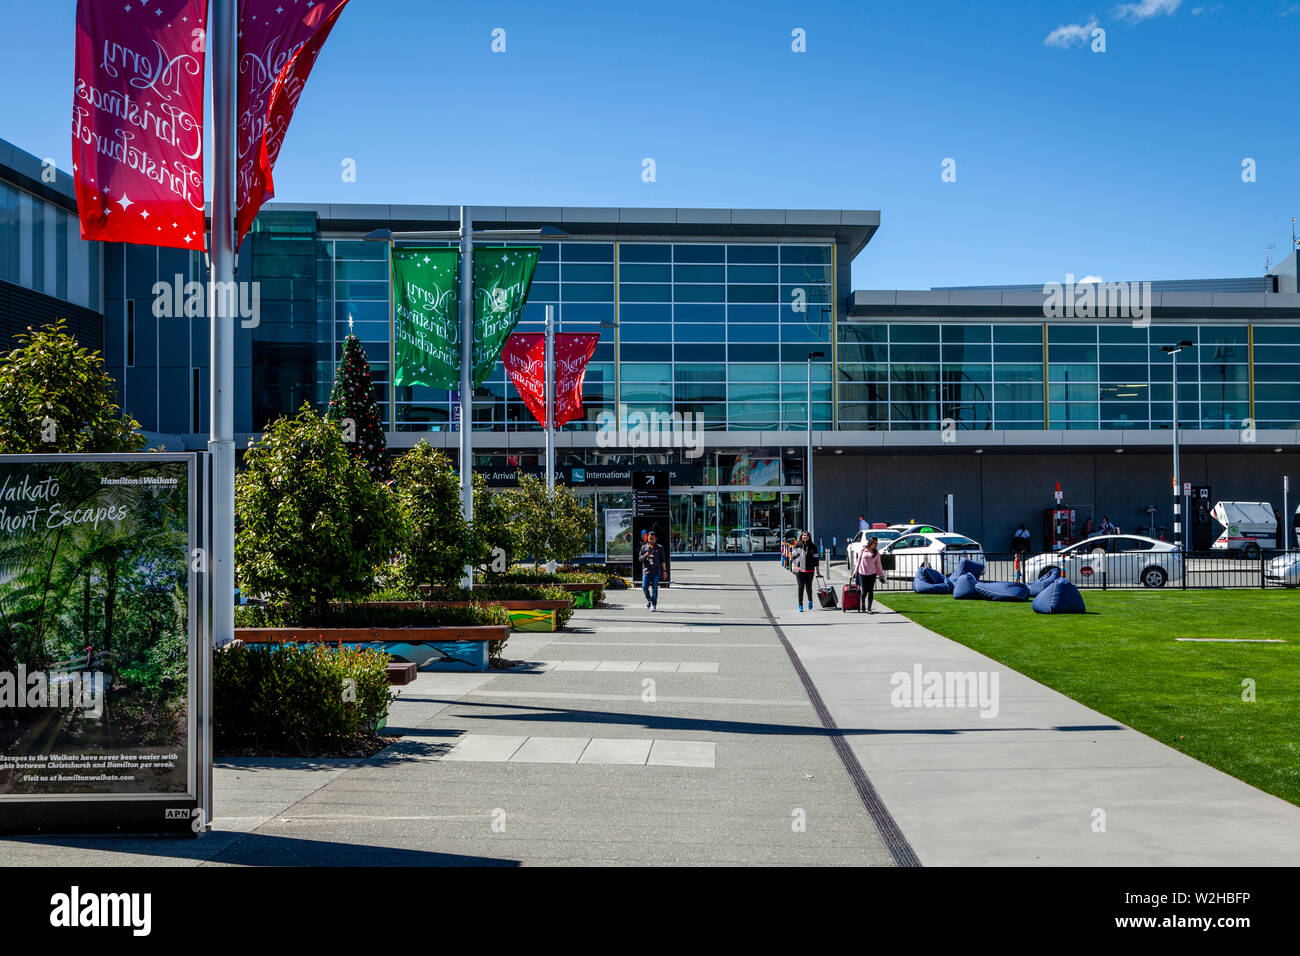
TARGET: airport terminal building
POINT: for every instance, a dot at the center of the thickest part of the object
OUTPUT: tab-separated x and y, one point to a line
981	393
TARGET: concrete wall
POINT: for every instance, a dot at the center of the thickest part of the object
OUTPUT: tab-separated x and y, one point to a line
995	493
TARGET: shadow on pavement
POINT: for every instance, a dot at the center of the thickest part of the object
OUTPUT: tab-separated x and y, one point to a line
260	849
558	715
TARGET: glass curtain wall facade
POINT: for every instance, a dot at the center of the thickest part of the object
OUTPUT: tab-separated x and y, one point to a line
41	249
721	330
1017	376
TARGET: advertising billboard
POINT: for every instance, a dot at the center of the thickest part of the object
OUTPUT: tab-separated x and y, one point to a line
98	642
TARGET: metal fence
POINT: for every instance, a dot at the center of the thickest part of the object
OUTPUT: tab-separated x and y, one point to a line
1100	571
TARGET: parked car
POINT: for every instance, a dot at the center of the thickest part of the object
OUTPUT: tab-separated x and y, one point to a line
938	550
911	528
859	540
748	540
1121	558
1284	570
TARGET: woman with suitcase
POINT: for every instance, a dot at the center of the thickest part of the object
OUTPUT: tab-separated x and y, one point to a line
803	561
870	569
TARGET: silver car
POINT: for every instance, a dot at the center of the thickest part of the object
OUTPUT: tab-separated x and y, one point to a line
1115	559
1283	571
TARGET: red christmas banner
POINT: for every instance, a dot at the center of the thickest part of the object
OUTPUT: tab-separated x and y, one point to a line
137	121
279	41
525	360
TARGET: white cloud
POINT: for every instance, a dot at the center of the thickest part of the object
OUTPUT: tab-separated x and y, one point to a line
1213	8
1146	9
1070	34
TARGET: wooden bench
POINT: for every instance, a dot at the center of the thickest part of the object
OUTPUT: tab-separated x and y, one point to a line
401	673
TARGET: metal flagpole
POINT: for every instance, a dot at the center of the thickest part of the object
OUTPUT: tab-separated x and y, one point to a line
1179	537
549	372
467	373
221	439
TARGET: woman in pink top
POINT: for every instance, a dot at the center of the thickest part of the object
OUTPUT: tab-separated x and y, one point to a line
869	569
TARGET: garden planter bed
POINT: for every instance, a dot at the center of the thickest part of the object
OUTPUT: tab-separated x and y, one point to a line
525	615
584	595
417	645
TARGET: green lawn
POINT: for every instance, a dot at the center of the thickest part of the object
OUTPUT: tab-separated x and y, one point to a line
1122	659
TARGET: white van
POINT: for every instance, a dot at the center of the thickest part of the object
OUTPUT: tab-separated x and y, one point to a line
1248	526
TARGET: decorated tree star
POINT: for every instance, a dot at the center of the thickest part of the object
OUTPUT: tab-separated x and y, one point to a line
353	400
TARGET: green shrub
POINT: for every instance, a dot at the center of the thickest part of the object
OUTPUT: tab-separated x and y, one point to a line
547	525
436	541
371	615
486	593
46	379
295	698
518	575
310	525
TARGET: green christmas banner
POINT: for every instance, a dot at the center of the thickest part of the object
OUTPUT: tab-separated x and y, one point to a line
426	315
426	326
502	277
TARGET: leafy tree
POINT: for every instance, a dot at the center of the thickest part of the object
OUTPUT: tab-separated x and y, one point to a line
310	525
353	399
56	397
549	527
436	541
493	529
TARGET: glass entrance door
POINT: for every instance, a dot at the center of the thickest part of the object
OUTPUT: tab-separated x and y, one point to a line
692	517
736	515
791	514
765	521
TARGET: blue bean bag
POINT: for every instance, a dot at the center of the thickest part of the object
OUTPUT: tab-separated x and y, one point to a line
964	588
1060	597
1002	591
967	566
1036	587
929	581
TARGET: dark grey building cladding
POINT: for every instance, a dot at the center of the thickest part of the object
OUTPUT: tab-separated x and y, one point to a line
21	309
995	492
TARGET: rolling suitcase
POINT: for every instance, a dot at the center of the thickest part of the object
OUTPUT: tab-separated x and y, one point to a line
851	599
825	593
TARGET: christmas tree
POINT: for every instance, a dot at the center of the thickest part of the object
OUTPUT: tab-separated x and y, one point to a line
352	404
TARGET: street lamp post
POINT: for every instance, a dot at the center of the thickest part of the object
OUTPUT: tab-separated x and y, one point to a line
1180	516
466	375
808	479
465	236
549	372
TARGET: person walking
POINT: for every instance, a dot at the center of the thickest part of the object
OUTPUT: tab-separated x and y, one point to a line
803	561
652	567
862	523
1020	540
870	569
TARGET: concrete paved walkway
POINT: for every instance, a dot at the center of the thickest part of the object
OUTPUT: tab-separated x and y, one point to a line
682	736
687	736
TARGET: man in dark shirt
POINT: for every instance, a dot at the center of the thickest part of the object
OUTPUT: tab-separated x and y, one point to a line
652	567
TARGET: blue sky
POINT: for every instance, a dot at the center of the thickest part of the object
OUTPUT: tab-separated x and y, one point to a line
1125	164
